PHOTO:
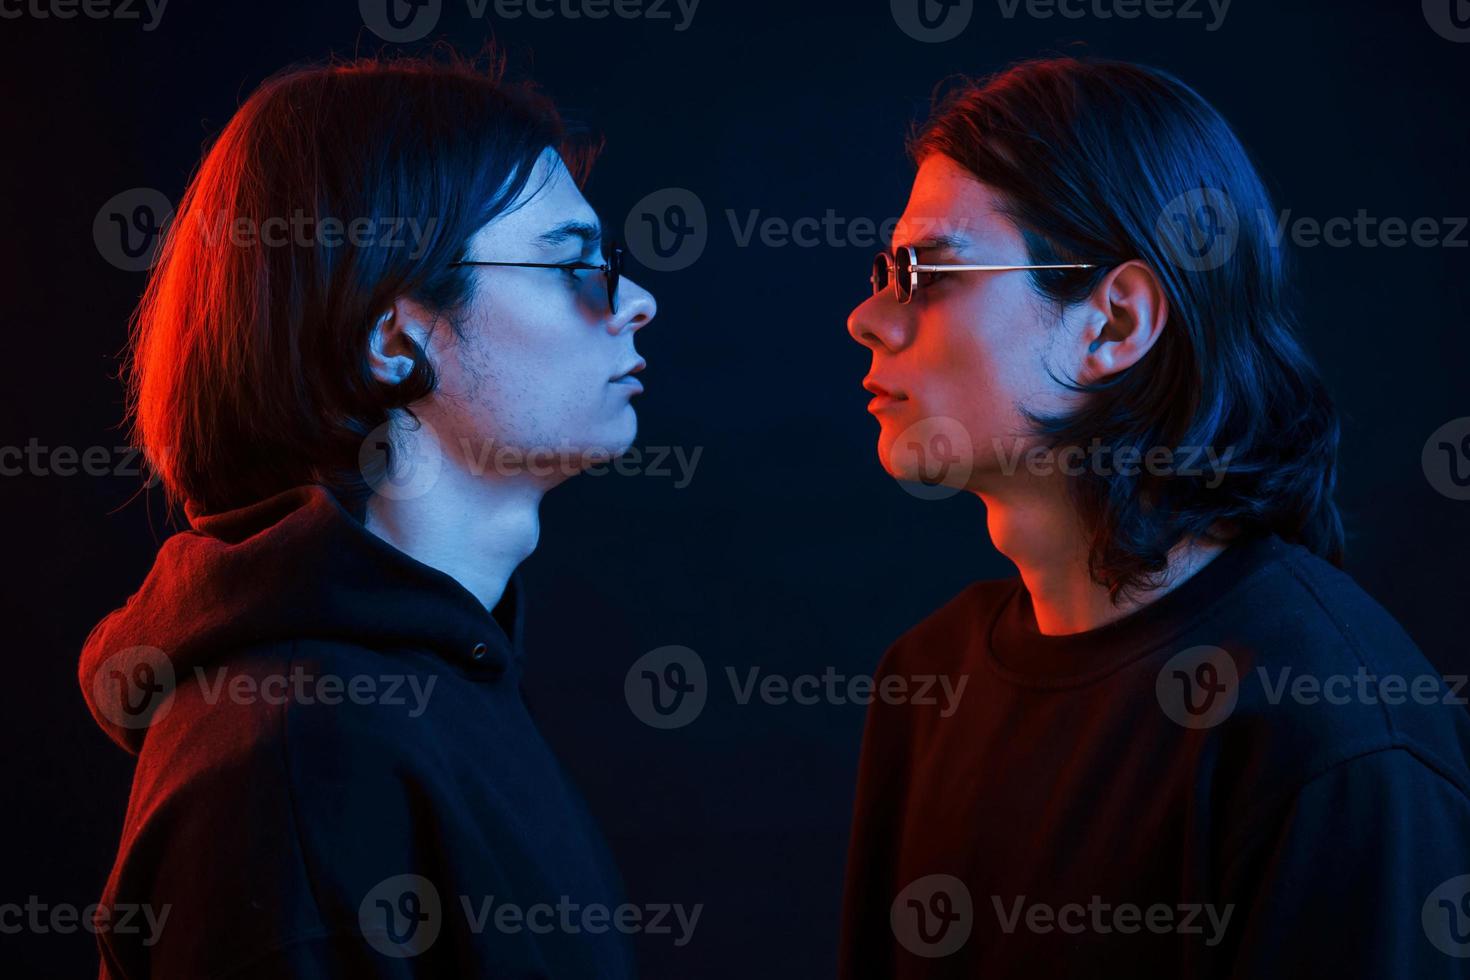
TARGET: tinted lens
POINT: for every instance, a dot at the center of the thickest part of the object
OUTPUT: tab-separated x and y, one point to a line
903	273
880	272
614	274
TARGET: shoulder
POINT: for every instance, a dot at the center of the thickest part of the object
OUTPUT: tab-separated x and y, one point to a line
300	796
1328	679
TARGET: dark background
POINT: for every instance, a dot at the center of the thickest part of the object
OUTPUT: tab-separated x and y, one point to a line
789	549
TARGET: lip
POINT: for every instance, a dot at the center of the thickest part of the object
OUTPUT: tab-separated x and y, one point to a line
882	397
626	376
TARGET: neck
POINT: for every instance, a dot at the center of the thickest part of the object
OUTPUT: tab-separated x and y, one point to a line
474	529
1036	526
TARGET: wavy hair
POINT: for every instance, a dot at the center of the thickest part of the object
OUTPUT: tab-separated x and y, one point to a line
1106	162
333	190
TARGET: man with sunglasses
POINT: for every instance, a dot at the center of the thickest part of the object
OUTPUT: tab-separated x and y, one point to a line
337	775
1189	744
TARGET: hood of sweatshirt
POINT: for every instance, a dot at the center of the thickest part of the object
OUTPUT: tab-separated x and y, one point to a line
295	566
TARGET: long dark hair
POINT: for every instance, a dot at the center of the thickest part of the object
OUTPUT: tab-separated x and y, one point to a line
248	368
1106	162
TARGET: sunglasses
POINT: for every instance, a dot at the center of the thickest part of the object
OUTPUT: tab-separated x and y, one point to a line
612	268
902	268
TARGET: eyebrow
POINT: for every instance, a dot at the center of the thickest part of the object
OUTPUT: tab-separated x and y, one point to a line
589	233
955	243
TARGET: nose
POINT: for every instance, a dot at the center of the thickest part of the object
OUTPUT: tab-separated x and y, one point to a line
636	306
875	323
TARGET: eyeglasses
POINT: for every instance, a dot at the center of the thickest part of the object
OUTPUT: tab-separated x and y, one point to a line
612	268
903	268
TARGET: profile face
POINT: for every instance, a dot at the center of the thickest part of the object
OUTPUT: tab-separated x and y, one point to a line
543	368
960	360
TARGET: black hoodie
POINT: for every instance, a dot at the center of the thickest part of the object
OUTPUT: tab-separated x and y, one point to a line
337	775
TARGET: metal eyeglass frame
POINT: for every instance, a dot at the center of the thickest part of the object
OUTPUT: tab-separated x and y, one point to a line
906	266
612	268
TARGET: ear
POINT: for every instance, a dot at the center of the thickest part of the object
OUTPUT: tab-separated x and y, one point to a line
1125	317
391	342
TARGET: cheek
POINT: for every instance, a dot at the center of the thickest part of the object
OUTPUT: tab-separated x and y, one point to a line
981	359
533	377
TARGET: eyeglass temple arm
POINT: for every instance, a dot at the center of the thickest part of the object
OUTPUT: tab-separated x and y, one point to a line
538	265
992	268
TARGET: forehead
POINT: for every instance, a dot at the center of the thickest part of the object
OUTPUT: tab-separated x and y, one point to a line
550	199
948	202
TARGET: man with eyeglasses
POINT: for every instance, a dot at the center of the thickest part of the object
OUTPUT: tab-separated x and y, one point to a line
1164	763
337	775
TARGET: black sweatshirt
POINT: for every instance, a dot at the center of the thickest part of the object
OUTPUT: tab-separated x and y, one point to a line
337	775
1256	775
